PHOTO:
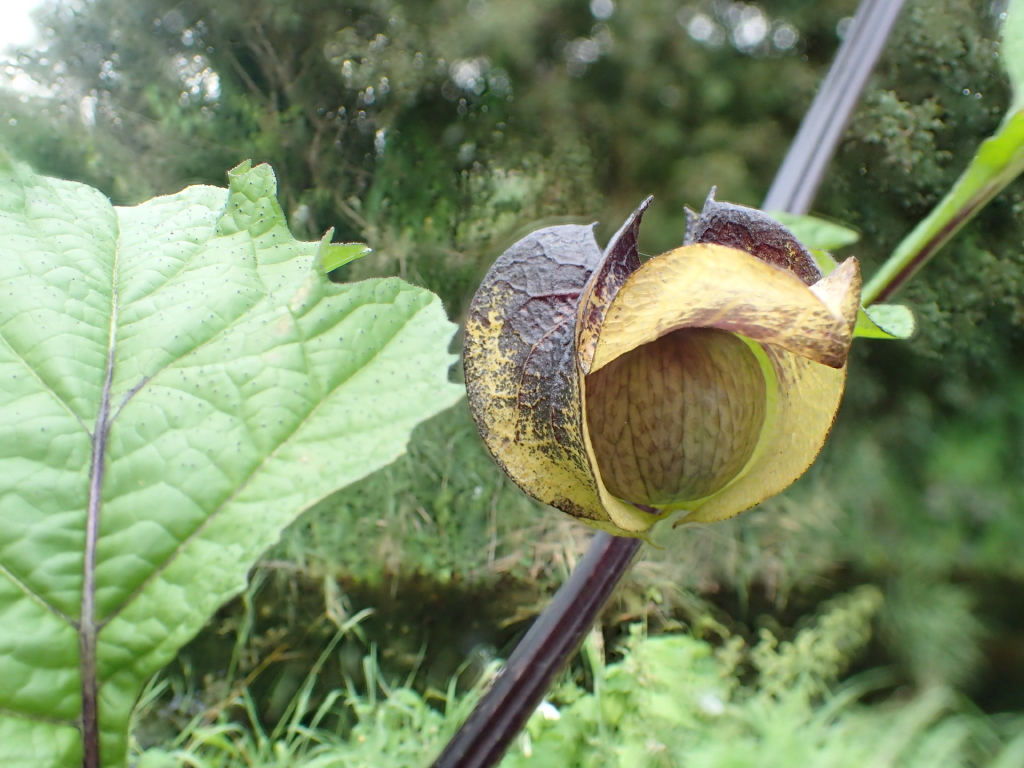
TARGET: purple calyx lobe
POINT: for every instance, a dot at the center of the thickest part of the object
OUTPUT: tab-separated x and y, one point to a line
752	231
620	260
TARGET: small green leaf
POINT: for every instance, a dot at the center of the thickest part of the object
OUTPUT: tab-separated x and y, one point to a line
330	255
179	383
885	321
815	233
825	262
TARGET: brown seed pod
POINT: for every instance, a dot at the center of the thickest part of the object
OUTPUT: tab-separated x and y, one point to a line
704	380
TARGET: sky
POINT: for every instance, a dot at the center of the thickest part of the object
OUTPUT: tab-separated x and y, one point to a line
15	25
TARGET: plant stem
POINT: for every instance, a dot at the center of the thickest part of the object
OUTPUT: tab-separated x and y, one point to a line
917	249
503	710
540	655
999	160
798	178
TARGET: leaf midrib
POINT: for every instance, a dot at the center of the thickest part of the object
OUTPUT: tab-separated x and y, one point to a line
128	395
87	629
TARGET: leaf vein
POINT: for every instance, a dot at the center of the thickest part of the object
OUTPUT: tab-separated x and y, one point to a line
44	385
38	718
244	484
35	596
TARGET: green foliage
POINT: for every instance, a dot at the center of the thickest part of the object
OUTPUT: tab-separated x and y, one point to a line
443	510
672	700
919	487
501	123
998	161
181	384
935	629
504	113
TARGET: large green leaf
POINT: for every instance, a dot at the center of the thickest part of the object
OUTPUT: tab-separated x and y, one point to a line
179	382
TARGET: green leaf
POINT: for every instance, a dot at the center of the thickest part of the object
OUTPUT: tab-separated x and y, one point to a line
333	255
179	383
885	321
825	262
815	233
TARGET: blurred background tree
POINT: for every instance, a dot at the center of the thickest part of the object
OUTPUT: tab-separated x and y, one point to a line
440	130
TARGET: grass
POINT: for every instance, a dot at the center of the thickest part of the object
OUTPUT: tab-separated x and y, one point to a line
923	499
668	700
454	559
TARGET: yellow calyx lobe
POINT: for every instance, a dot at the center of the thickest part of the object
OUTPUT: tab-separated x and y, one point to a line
676	419
704	379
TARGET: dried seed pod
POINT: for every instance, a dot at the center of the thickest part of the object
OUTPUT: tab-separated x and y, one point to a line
704	380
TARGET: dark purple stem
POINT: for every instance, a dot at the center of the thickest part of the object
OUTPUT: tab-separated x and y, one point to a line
540	655
556	635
